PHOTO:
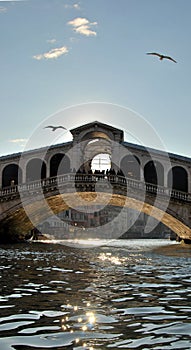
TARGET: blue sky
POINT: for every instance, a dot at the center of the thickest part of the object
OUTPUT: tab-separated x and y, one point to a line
61	53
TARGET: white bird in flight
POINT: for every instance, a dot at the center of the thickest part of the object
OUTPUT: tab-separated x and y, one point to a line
161	57
55	127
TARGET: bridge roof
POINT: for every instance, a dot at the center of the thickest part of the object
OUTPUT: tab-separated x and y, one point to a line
97	130
103	126
126	144
34	151
156	151
96	124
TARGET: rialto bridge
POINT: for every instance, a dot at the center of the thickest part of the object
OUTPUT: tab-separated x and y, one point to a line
37	183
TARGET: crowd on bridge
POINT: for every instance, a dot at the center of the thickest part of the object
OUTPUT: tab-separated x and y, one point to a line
107	172
97	175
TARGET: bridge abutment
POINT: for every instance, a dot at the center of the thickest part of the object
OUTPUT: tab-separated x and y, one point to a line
12	233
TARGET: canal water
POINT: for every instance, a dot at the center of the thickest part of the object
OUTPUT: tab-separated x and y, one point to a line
127	294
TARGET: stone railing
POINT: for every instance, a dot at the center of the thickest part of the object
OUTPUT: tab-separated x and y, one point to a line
88	182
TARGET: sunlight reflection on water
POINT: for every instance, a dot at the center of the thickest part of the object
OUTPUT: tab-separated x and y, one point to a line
124	294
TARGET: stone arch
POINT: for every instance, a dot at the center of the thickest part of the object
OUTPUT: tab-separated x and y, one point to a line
154	173
35	170
178	179
18	219
130	166
92	148
11	175
59	164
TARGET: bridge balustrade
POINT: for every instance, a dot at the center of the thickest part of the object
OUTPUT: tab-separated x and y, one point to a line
81	180
180	195
9	190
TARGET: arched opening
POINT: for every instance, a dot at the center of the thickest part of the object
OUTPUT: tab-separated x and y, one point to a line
12	175
96	155
101	163
35	170
172	221
178	179
130	167
154	173
59	164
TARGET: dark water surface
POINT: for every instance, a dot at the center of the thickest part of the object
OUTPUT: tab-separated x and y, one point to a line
121	296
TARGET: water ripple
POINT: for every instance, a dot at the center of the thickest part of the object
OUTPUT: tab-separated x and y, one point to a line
122	295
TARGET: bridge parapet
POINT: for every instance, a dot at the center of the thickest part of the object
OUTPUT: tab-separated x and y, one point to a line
92	183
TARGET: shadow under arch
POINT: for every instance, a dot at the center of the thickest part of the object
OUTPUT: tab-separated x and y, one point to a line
130	166
178	179
21	221
35	169
11	174
154	173
59	164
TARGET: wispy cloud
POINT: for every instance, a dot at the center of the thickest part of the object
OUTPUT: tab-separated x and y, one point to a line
18	141
3	9
85	30
54	53
83	26
78	21
51	41
75	6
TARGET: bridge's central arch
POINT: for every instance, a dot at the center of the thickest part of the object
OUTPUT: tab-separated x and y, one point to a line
17	218
93	139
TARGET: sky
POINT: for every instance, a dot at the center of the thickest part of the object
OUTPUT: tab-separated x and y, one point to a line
59	57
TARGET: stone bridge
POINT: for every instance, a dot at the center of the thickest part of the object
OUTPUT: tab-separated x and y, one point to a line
26	205
38	183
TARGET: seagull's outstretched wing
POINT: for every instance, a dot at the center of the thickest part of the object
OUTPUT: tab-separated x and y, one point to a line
154	53
60	127
170	58
55	127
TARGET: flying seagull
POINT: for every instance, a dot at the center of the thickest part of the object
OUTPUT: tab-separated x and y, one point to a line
55	127
161	57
